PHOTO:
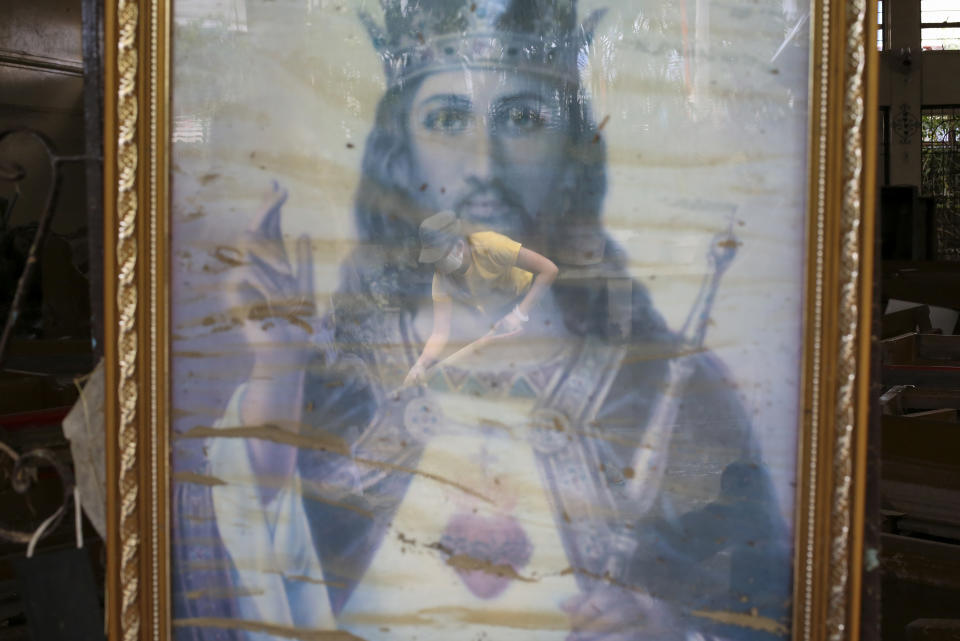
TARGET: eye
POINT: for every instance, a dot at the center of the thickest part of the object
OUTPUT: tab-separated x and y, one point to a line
521	119
449	120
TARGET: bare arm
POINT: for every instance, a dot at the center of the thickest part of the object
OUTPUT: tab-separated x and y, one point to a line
442	310
272	300
544	271
274	400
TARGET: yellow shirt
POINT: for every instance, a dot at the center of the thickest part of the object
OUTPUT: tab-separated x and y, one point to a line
492	279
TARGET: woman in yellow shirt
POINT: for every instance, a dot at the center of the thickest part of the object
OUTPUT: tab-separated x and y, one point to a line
484	270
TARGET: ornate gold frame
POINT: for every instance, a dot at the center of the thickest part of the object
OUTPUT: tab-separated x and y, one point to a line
832	445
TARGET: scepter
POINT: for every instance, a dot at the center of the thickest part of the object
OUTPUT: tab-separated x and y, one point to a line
650	461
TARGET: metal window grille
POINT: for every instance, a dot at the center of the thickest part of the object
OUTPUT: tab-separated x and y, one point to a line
940	174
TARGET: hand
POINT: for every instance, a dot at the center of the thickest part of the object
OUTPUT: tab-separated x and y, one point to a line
512	323
272	302
617	614
416	375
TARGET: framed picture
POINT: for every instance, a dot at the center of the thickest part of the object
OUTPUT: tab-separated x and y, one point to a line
487	320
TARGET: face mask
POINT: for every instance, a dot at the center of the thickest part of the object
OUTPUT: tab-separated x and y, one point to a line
451	262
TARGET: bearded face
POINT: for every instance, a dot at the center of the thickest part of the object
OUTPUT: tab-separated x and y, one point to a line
510	151
492	146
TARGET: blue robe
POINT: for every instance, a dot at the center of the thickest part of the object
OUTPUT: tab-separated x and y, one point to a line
714	540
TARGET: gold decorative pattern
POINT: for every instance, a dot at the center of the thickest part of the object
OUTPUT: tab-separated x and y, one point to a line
127	301
849	314
815	254
155	473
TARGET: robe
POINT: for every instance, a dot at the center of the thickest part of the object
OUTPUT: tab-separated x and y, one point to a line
711	541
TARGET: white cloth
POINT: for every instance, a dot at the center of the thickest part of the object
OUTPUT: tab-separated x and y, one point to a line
410	590
279	578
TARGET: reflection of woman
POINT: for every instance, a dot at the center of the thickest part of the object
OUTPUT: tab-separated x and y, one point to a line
311	513
484	270
306	510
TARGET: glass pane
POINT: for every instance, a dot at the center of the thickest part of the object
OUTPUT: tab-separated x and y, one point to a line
487	312
881	36
940	39
934	13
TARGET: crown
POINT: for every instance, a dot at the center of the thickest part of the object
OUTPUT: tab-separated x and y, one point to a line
425	36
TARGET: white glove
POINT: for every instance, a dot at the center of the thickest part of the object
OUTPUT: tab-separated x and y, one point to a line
512	322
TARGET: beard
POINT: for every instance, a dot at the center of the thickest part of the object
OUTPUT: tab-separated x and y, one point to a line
490	205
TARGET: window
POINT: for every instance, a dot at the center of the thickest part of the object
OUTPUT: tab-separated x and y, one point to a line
940	174
881	27
939	24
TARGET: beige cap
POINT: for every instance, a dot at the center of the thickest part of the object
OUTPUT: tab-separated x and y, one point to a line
437	235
